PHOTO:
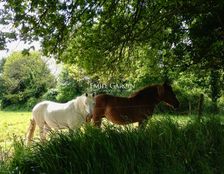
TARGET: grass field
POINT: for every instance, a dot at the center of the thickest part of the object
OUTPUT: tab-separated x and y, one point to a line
12	124
179	144
163	146
16	124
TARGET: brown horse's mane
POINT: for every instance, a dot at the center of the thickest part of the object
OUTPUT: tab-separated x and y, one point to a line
148	88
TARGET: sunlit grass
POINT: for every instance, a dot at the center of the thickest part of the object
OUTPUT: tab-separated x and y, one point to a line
12	124
163	146
16	124
168	144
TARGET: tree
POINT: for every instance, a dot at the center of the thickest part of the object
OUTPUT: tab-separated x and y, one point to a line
215	86
119	39
96	34
24	77
68	85
105	34
204	46
2	62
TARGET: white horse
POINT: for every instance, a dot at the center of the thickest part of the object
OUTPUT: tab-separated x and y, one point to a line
71	115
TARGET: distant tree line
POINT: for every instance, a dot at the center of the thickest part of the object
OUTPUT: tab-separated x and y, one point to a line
26	80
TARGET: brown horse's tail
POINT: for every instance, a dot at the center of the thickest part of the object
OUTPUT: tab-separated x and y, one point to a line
30	131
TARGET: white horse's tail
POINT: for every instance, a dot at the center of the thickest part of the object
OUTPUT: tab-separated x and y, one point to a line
30	131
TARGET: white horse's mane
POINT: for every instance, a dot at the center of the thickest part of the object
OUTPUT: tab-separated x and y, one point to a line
78	104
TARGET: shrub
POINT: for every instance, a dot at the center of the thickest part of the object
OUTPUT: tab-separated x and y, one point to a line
51	94
24	77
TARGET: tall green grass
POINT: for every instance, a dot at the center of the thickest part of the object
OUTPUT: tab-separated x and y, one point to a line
163	146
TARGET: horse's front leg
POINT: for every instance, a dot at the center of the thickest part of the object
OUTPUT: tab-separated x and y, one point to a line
142	123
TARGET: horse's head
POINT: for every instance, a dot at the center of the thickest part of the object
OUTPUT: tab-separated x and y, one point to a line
167	95
89	103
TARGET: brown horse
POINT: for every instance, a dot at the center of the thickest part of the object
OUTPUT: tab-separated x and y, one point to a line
135	108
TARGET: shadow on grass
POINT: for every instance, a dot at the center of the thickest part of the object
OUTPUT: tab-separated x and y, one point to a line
163	146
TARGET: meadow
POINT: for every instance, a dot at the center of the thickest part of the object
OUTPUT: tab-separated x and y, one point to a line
168	144
15	124
12	124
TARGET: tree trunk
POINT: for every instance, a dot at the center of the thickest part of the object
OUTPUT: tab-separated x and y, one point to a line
189	107
215	89
200	106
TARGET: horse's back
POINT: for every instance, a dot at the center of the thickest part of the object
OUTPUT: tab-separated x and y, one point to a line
120	110
107	103
38	112
39	105
105	99
56	107
62	115
45	107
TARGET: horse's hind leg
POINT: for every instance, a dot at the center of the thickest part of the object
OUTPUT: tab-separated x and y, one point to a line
30	131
